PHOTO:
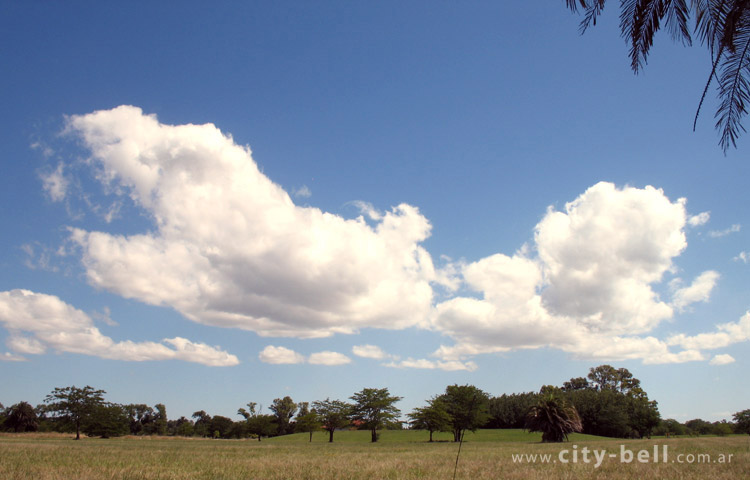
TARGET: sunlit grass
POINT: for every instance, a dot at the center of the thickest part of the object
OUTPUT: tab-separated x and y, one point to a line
399	455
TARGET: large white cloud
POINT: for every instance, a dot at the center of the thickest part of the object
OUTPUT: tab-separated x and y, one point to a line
589	290
229	247
37	322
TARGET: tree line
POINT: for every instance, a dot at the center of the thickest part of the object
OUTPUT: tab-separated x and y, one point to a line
607	402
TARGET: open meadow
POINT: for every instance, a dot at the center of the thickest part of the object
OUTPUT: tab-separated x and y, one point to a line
487	454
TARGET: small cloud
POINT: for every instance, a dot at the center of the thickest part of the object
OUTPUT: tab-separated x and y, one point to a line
743	257
700	219
280	356
698	291
302	192
9	357
422	363
104	316
46	151
329	358
367	209
723	233
723	359
55	183
369	351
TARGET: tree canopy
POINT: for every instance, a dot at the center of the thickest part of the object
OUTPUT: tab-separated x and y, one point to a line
74	404
333	414
467	407
375	409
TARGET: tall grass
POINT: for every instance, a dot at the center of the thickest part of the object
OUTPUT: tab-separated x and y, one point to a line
399	455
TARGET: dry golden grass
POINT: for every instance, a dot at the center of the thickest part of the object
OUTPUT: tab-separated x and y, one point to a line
55	457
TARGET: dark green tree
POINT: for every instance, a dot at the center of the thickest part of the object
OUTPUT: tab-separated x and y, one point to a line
669	427
106	420
468	408
258	423
553	416
433	418
21	417
698	426
374	408
140	418
182	427
160	419
742	421
333	415
283	409
74	404
307	420
202	425
220	426
509	411
721	25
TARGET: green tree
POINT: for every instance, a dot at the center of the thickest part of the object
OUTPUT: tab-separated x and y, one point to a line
258	423
721	25
182	427
553	416
698	426
333	414
283	409
106	420
202	425
307	420
140	417
21	417
468	408
74	404
509	411
669	427
160	419
742	421
220	426
375	409
433	418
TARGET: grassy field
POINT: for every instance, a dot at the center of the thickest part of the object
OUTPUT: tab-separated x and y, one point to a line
399	455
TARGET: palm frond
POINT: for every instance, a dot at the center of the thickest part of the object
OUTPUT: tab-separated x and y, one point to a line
677	17
593	11
734	83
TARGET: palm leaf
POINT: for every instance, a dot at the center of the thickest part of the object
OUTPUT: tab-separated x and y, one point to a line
734	86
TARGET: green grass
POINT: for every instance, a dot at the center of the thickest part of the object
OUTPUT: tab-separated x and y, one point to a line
400	455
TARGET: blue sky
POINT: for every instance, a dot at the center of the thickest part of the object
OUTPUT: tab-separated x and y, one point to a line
205	207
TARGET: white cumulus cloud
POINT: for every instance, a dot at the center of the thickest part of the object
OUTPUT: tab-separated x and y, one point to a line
229	248
328	358
55	183
280	355
37	322
698	291
589	290
723	359
725	334
700	219
369	351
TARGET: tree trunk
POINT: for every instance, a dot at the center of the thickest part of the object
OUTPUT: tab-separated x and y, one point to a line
330	438
374	435
430	436
78	430
457	435
311	436
259	437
